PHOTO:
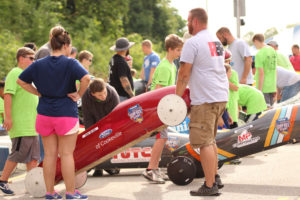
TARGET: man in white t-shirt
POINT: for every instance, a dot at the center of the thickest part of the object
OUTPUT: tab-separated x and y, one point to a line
202	68
241	55
288	83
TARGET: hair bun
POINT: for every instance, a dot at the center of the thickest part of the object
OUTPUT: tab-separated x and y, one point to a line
57	31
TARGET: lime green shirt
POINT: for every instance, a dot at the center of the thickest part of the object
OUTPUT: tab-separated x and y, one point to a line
23	106
252	98
165	74
284	62
1	110
266	58
232	105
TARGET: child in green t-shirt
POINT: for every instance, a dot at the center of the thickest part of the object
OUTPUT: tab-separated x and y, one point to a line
253	100
20	115
265	64
232	105
164	75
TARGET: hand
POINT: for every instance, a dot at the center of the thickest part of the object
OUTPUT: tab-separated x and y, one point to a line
7	124
243	81
74	96
147	87
230	121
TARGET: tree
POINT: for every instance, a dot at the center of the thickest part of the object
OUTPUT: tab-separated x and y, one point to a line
270	32
153	19
248	37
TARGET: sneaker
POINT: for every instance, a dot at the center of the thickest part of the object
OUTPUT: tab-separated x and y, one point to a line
163	175
76	196
154	176
5	189
206	191
218	181
50	196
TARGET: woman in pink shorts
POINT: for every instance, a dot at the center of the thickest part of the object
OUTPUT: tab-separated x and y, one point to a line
57	120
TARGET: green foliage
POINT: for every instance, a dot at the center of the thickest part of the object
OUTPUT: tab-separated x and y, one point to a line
248	37
8	49
154	19
270	32
94	25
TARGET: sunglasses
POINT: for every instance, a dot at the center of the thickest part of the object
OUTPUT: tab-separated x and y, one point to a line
90	60
30	58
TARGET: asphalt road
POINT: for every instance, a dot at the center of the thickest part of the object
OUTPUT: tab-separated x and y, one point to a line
273	174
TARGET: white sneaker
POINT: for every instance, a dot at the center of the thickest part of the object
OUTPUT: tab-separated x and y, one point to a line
163	175
154	176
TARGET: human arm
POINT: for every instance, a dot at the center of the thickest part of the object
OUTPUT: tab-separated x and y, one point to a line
157	86
261	78
150	76
142	75
7	124
247	68
88	119
126	85
28	87
233	87
84	83
115	98
184	74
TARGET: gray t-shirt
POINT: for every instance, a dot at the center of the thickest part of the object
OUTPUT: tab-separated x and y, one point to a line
239	50
208	82
286	77
44	51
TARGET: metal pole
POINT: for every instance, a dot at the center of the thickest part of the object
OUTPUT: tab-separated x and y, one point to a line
238	20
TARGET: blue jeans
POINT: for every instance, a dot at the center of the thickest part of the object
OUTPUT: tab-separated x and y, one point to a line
290	91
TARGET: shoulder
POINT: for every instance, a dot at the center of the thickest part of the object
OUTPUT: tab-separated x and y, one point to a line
117	59
14	72
154	55
111	90
234	73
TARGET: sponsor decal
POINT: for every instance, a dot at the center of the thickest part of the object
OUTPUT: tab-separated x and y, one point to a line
108	140
132	155
245	139
283	125
105	133
136	113
90	132
172	143
183	127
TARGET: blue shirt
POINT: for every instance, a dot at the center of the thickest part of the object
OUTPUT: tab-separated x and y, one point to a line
151	60
55	77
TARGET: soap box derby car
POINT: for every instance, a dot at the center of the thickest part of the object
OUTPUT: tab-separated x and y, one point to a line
274	128
129	123
143	116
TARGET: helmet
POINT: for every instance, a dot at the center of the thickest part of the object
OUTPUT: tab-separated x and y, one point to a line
227	55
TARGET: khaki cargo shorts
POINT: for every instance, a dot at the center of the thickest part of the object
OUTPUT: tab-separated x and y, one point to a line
204	123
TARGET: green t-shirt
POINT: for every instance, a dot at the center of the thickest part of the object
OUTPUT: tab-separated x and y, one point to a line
1	110
23	106
165	74
252	98
284	62
232	105
266	58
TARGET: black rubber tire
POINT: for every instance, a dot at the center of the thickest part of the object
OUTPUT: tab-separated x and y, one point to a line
181	170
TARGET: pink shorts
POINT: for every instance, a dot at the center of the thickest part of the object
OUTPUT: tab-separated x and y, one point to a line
46	126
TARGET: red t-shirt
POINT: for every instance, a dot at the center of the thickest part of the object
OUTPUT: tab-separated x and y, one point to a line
295	60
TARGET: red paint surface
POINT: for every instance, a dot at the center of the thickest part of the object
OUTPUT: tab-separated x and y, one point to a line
92	148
